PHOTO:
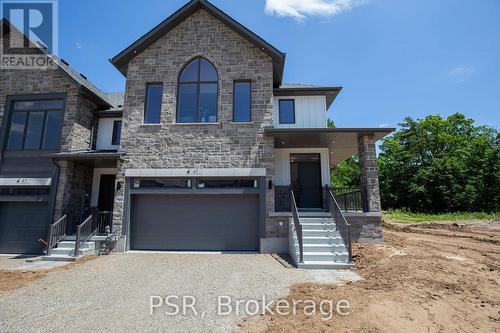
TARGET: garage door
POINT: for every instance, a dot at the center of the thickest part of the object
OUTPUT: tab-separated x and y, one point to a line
195	223
21	225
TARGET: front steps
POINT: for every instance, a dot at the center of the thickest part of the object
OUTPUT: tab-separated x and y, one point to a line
323	246
65	250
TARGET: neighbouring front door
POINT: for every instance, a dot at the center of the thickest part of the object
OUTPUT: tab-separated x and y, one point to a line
106	193
306	180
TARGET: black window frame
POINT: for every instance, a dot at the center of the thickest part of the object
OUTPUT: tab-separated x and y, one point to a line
198	83
115	141
234	101
11	102
148	85
279	110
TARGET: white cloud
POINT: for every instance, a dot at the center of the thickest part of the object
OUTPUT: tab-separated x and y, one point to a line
461	74
301	9
78	45
383	125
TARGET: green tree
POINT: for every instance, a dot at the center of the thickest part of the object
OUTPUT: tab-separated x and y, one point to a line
330	123
346	174
441	165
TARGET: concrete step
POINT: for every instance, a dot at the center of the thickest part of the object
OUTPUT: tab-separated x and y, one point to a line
317	220
326	256
318	226
320	233
323	240
66	244
58	258
327	248
62	251
324	265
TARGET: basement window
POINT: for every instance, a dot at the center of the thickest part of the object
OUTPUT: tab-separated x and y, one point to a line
227	183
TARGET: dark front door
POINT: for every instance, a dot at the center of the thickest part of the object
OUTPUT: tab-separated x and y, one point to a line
106	193
306	180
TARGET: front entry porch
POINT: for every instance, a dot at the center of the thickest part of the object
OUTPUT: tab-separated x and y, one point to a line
84	207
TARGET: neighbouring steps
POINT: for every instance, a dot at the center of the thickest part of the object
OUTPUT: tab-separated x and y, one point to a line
65	251
323	246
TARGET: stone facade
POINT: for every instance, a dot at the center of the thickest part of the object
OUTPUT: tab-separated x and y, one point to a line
221	145
365	227
74	179
369	172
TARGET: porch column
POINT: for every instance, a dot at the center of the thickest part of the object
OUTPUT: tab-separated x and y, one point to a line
369	173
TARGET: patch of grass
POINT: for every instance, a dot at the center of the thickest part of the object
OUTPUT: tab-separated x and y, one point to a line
400	216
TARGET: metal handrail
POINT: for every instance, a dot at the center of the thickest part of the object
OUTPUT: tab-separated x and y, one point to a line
104	219
341	223
57	232
298	226
84	232
349	198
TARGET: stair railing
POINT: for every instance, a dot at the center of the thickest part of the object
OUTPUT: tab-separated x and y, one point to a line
343	227
84	232
298	226
57	232
104	219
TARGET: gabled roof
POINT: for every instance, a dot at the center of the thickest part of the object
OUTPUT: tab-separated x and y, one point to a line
122	59
294	89
85	86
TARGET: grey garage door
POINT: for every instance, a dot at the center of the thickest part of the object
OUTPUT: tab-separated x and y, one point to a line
21	225
195	223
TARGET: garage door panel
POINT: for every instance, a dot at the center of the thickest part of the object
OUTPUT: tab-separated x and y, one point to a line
21	225
204	223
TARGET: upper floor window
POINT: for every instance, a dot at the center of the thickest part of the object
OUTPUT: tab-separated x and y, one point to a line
287	111
197	93
242	101
36	125
152	112
117	129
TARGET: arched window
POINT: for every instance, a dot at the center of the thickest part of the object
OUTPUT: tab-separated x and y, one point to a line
197	93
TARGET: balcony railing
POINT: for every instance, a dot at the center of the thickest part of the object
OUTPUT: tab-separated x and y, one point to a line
350	199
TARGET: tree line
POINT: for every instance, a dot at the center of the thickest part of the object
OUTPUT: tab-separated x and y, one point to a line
435	165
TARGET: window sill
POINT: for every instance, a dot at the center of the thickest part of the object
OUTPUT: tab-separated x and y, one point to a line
151	125
242	122
195	124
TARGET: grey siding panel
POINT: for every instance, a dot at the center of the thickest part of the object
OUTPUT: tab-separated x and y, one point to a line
195	223
21	225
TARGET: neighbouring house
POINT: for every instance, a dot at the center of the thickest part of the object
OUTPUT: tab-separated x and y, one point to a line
207	150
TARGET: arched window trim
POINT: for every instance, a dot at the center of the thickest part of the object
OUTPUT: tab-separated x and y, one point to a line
198	83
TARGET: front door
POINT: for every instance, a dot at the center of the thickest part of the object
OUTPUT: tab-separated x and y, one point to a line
106	193
306	180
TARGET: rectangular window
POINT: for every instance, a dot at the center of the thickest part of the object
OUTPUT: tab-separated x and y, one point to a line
287	111
227	183
154	94
242	101
117	129
166	182
35	125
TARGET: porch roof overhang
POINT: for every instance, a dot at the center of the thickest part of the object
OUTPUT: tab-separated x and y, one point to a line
342	142
92	158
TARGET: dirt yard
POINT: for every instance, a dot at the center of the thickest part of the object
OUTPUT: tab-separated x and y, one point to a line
427	278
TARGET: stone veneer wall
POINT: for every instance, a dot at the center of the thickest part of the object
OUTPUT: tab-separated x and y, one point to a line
369	172
221	145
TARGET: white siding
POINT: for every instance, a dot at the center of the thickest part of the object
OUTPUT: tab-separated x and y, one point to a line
105	134
282	164
310	112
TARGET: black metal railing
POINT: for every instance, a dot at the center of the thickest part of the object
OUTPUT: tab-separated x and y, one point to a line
84	232
57	232
282	199
103	220
343	227
297	225
349	199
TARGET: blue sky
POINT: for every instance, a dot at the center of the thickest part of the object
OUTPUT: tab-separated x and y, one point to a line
393	58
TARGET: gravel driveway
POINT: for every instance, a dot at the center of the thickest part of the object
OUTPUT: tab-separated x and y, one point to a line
112	293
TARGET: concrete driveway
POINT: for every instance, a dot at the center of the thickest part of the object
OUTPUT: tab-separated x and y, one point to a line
113	293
